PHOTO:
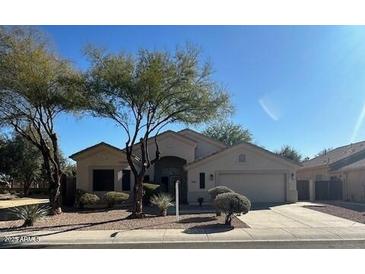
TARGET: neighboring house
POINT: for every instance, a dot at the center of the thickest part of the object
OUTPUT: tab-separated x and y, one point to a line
338	174
198	162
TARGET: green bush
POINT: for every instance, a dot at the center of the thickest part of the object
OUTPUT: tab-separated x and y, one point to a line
30	213
88	199
114	197
230	203
215	191
149	190
163	201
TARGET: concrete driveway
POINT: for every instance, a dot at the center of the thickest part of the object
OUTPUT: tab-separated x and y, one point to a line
294	216
295	222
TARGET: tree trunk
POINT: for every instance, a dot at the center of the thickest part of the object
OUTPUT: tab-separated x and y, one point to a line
54	180
26	188
228	219
57	174
55	194
138	198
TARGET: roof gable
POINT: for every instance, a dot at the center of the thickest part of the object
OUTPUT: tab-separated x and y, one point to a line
187	131
246	145
79	154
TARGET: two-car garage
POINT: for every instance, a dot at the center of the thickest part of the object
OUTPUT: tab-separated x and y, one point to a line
261	175
266	187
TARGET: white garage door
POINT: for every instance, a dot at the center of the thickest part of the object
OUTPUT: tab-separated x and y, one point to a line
256	187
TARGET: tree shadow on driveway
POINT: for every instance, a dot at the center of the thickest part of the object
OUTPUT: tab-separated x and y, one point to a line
208	229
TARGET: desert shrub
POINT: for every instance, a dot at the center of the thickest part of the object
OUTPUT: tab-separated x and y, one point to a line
88	199
163	201
114	197
215	191
230	203
200	201
149	190
30	213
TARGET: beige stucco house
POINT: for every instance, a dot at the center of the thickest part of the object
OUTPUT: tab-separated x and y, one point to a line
338	174
198	162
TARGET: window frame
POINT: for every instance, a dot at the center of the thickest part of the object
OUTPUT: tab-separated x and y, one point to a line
202	180
103	187
124	172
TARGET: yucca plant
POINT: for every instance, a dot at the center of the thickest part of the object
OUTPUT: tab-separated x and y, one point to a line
30	213
163	201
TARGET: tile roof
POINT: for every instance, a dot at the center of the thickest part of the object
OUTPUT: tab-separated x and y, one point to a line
335	155
355	165
248	144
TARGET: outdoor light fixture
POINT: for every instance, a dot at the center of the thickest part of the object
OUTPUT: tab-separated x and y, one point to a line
211	177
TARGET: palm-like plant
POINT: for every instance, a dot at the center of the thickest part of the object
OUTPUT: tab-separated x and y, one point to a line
163	201
30	213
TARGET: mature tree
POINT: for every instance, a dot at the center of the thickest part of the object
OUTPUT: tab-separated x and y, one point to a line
21	161
228	132
144	93
35	87
290	153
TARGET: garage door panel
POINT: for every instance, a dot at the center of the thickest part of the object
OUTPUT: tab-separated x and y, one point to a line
256	187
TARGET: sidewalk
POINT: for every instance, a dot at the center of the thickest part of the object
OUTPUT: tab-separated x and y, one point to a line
10	239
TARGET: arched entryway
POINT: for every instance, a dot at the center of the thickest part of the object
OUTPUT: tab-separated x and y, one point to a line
169	169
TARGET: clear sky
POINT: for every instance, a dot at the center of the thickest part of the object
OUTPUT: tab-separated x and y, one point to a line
301	86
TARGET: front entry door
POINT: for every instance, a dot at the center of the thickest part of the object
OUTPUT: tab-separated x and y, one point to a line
168	186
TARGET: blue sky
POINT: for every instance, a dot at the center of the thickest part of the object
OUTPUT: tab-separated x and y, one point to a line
301	86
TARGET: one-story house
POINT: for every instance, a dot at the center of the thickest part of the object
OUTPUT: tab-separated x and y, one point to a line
338	174
198	162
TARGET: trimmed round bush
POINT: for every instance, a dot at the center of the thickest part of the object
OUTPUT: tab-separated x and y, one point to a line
215	191
114	197
231	203
149	190
89	199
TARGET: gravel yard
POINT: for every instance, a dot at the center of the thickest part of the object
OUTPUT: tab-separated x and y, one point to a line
117	219
353	212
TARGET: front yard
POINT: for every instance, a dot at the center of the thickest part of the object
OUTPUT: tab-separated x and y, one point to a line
117	219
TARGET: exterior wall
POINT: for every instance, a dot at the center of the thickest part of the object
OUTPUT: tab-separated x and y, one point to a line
228	161
355	185
320	174
204	148
313	173
100	158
